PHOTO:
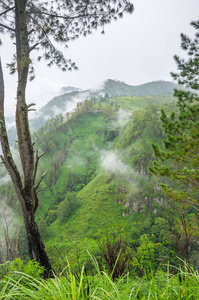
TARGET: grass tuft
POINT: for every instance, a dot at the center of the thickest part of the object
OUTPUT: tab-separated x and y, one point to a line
163	285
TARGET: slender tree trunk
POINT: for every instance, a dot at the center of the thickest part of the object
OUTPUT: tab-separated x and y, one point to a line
26	190
184	225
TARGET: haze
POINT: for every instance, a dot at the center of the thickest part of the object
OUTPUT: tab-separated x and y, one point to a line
136	49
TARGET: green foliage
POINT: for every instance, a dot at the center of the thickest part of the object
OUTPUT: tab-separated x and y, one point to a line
112	134
189	69
161	228
161	285
98	195
67	207
145	121
142	155
151	252
83	199
52	216
43	228
179	158
31	268
146	252
63	211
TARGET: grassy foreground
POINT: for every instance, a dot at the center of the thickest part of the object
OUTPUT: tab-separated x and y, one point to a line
184	285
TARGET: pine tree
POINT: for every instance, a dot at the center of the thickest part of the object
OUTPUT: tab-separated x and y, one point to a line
179	159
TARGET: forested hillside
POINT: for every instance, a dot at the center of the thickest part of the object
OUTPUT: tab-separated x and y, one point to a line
98	189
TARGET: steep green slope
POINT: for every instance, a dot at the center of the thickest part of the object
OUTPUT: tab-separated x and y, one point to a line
98	181
98	211
94	158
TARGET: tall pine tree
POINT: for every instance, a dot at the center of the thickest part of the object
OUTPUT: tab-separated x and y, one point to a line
179	158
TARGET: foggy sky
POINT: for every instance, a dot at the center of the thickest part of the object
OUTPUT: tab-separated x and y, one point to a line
136	49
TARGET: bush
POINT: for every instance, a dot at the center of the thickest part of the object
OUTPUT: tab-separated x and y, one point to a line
68	206
63	210
9	269
52	216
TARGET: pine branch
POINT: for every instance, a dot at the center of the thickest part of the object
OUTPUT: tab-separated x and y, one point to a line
7	27
5	12
33	47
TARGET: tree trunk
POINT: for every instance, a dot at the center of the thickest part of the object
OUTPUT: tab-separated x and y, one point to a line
27	190
36	247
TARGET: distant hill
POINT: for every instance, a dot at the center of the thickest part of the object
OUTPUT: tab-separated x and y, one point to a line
58	105
68	100
118	88
69	89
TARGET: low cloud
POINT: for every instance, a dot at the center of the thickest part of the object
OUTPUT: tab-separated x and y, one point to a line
6	213
9	227
4	180
111	162
98	87
75	161
47	88
70	105
16	157
123	117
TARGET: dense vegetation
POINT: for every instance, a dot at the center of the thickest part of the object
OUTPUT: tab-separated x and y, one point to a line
99	199
25	283
98	187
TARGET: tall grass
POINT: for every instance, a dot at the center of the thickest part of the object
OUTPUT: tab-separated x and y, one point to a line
184	285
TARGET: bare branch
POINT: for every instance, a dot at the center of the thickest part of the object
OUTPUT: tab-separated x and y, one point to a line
40	180
36	165
44	189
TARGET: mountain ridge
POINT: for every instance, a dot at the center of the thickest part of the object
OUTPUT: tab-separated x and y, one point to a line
146	89
67	102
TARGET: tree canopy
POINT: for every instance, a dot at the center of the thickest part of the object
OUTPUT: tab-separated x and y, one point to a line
52	22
